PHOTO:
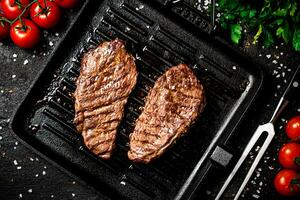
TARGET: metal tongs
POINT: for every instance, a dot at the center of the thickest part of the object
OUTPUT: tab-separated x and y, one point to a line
290	92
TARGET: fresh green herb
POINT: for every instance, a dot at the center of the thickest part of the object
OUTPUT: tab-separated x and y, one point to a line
270	20
235	33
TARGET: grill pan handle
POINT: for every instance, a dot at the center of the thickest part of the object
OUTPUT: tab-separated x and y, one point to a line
191	14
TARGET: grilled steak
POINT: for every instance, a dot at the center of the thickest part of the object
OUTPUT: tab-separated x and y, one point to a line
108	75
173	104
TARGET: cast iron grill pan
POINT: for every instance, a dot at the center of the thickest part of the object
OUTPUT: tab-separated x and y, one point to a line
44	120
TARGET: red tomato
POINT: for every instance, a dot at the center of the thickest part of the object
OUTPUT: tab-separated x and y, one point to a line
68	4
293	128
13	8
4	28
286	182
25	33
289	156
45	16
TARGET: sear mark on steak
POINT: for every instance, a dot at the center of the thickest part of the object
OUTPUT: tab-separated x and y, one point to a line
107	76
173	104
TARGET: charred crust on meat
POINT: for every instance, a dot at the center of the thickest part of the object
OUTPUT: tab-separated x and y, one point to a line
172	106
107	76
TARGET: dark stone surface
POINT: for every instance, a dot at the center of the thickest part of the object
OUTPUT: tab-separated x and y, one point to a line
25	175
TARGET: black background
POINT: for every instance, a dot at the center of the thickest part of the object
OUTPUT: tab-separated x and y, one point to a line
34	178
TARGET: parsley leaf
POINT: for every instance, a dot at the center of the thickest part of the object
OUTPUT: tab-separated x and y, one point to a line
296	39
270	20
235	33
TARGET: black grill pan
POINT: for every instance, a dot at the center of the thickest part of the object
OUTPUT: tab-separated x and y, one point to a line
44	120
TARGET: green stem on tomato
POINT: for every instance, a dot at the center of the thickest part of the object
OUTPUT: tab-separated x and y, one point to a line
295	182
297	161
44	10
5	20
23	26
22	13
17	2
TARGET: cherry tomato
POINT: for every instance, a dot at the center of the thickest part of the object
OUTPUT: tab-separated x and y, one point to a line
4	28
292	128
68	4
25	33
286	182
13	8
45	16
289	156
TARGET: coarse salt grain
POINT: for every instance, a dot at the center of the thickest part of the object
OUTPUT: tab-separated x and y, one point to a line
73	195
127	29
268	56
20	195
14	76
26	62
257	148
123	183
36	175
51	44
15	162
16	143
1	138
256	196
29	190
44	173
15	55
19	167
31	159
